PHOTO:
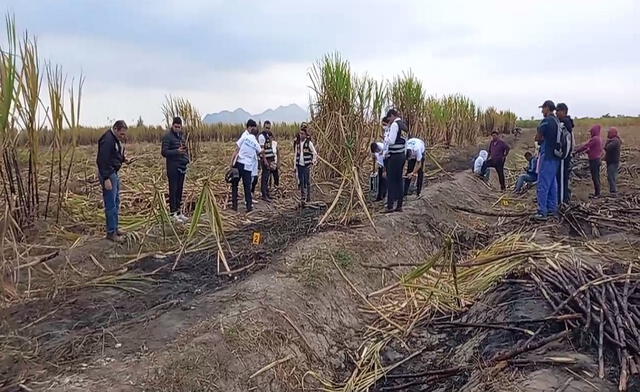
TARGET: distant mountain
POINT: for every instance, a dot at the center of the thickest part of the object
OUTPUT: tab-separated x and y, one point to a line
289	114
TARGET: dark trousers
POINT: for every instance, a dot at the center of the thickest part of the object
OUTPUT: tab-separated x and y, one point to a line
395	191
304	179
275	174
411	164
254	182
612	176
265	178
594	168
176	184
563	178
382	184
245	175
497	164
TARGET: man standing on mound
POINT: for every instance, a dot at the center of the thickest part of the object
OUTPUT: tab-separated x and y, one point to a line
394	152
174	149
549	163
498	151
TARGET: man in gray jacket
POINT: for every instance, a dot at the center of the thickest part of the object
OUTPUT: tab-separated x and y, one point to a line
174	149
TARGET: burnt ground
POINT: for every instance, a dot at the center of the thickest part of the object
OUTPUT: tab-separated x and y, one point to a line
191	330
77	325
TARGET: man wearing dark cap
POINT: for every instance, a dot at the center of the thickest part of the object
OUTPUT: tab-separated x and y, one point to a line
564	173
549	164
174	150
394	151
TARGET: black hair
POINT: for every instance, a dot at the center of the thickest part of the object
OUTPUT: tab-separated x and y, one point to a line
527	154
267	122
177	121
251	123
385	119
562	107
494	133
374	147
393	113
120	124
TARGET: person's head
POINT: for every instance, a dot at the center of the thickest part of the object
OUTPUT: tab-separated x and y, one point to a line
375	148
176	125
528	156
612	133
595	130
303	134
385	121
562	110
392	114
252	127
494	135
548	107
267	126
120	130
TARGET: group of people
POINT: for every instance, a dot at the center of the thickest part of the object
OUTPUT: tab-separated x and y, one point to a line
550	166
256	151
389	158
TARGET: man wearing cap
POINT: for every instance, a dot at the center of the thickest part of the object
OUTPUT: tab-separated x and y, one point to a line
547	189
175	151
564	172
394	152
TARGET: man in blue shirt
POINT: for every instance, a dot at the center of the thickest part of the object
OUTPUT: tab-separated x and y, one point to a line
549	163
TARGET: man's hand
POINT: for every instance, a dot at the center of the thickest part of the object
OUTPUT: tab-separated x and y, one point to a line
182	149
107	184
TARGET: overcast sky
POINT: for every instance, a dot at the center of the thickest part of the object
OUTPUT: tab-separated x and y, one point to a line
256	54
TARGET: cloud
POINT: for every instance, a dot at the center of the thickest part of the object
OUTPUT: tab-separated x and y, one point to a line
223	54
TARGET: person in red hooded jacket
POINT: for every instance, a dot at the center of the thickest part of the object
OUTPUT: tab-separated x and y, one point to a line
612	157
594	151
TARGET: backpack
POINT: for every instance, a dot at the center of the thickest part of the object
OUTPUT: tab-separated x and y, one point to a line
564	141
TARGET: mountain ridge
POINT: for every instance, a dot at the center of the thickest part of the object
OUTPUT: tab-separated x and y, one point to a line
291	113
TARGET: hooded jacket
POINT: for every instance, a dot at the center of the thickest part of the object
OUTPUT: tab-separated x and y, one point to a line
477	164
171	142
594	146
612	147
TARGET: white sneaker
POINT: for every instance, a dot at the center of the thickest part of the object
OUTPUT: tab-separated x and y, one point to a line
183	218
176	218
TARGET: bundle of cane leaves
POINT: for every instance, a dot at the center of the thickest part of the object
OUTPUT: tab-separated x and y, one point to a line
445	285
206	227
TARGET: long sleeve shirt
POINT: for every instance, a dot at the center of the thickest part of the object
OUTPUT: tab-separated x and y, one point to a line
390	136
300	147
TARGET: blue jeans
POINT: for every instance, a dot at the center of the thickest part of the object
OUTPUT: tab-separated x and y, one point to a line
523	179
112	203
548	187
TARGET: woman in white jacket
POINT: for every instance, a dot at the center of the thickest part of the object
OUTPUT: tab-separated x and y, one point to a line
477	164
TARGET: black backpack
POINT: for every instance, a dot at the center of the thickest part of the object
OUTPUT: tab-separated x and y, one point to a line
564	141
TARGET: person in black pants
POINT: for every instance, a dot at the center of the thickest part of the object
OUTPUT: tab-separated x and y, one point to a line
175	151
416	151
564	173
394	143
245	160
378	167
498	151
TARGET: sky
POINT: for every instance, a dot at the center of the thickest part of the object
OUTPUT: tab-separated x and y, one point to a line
222	55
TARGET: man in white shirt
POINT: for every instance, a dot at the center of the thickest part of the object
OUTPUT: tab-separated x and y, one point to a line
415	164
245	160
394	152
378	169
305	156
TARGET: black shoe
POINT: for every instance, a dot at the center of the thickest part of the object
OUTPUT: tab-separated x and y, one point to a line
388	211
249	208
399	209
235	208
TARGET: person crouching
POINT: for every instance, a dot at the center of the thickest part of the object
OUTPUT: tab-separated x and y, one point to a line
531	172
415	164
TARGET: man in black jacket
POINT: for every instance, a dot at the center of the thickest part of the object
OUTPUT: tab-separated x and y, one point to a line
174	149
109	160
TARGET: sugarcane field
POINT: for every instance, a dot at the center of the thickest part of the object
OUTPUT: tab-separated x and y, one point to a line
392	235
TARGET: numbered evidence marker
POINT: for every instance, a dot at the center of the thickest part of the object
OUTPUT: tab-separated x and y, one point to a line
257	238
505	202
